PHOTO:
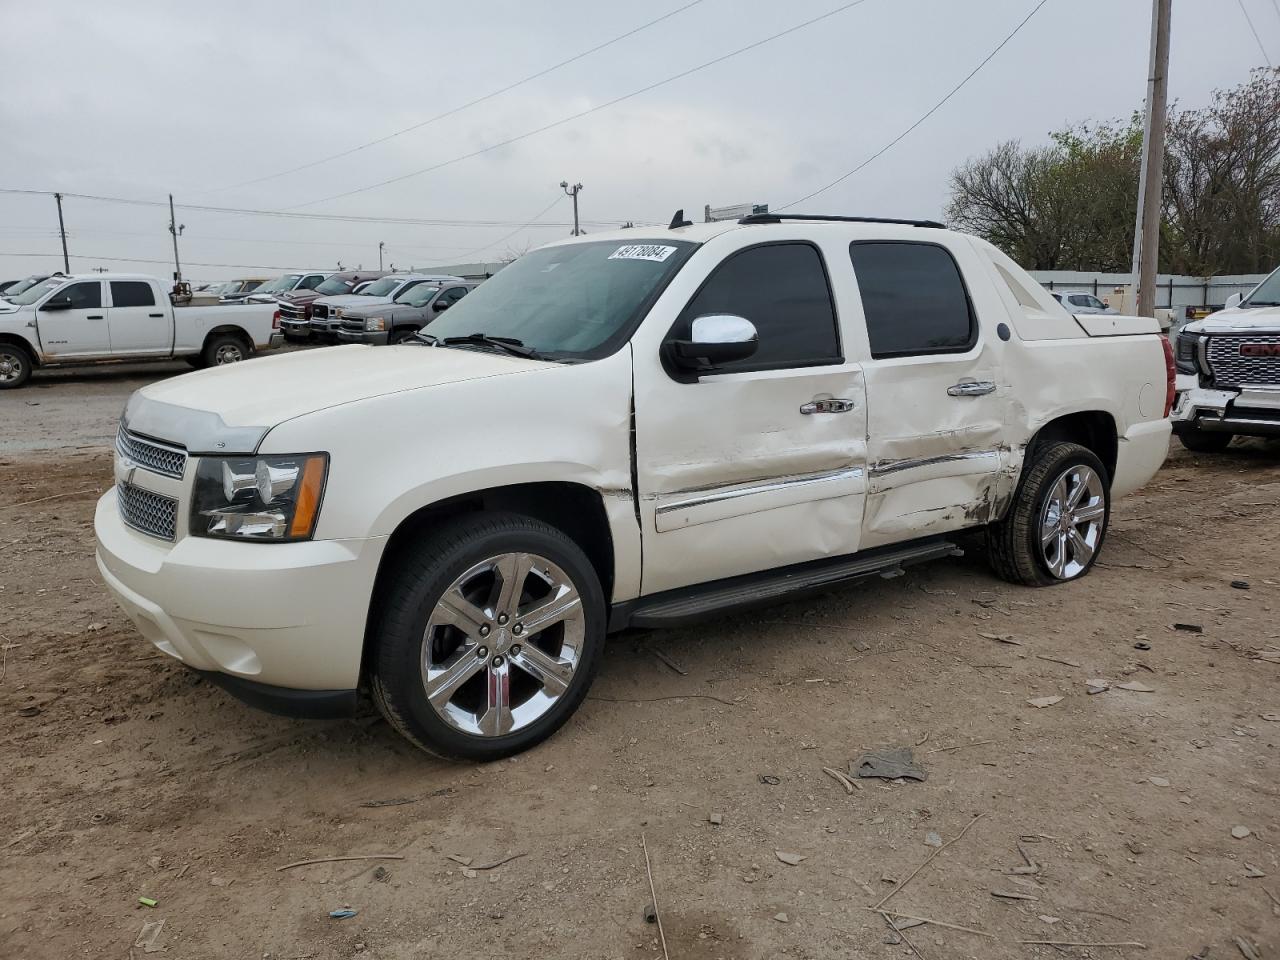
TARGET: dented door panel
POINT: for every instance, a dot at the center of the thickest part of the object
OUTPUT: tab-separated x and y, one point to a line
735	479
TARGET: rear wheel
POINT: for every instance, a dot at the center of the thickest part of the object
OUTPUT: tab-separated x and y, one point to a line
1205	441
409	335
222	349
15	366
490	634
1054	530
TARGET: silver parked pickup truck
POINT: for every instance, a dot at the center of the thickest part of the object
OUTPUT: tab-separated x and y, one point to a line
1229	372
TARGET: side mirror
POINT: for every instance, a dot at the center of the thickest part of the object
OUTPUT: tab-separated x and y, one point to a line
715	339
58	303
1233	301
443	305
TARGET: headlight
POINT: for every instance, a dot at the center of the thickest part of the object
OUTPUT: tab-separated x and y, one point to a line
375	324
1186	352
275	498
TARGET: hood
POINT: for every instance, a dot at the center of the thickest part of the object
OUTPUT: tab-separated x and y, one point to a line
380	307
1237	320
258	394
300	296
351	300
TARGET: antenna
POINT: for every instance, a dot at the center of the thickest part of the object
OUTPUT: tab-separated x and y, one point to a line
679	221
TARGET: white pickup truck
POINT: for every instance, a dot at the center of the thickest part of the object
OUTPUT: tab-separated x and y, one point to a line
121	316
1229	372
635	429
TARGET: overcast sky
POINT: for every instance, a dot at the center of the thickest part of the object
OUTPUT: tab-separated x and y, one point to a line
137	99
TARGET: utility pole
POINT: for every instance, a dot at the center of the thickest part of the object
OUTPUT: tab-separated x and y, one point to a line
573	192
66	261
1146	234
381	244
176	229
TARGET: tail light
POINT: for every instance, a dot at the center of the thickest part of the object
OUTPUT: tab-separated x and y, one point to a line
275	320
1171	376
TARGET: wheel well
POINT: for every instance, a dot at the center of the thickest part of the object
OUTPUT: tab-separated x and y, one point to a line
20	342
575	510
238	332
1092	429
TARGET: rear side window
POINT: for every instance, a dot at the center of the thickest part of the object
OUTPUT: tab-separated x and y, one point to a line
131	293
913	297
454	294
311	282
782	289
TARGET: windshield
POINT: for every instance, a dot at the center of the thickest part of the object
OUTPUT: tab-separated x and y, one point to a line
577	301
21	286
1267	293
418	296
382	288
334	285
280	284
32	294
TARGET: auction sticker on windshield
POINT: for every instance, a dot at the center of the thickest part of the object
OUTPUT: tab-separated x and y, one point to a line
656	252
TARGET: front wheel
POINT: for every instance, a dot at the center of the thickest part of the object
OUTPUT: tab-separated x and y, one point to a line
1205	441
223	349
15	366
1054	530
491	630
404	336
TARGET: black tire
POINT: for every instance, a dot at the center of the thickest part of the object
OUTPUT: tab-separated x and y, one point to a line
224	348
1205	441
1014	543
403	335
15	365
405	603
197	362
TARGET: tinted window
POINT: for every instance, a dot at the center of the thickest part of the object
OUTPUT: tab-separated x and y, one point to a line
84	296
1080	301
913	298
311	282
454	294
782	289
131	293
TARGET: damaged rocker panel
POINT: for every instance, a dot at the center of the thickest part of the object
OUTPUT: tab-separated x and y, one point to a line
888	467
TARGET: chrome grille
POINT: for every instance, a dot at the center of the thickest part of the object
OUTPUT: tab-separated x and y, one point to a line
289	311
319	312
1229	368
148	512
168	461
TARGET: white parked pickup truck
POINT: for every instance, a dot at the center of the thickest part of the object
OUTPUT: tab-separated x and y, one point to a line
635	429
121	316
1229	372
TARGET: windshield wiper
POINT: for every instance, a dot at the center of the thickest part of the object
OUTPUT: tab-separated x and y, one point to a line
506	344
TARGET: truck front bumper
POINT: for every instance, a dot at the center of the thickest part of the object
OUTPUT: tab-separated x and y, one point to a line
296	329
1250	412
279	625
378	339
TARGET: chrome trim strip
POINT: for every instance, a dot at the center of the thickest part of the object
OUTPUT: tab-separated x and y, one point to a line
201	432
897	466
719	495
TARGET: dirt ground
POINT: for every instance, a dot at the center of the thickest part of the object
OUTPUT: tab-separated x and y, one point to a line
124	776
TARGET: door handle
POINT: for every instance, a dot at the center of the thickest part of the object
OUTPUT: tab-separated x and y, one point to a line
833	405
156	316
971	388
94	316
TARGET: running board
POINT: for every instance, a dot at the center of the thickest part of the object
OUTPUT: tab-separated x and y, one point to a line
676	608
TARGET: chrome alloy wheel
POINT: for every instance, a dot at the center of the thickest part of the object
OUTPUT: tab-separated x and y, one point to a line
228	353
502	644
11	366
1071	521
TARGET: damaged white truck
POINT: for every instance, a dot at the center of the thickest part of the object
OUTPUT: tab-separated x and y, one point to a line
637	429
1229	372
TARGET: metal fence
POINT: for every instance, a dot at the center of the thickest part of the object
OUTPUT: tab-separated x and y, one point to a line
1172	291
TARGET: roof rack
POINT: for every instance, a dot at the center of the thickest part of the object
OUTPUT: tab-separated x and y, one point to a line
779	217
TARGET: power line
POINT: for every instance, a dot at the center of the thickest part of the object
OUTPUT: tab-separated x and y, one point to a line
535	219
289	214
81	256
930	112
1257	39
467	105
603	106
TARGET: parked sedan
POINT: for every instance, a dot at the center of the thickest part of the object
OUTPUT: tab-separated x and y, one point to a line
1078	301
402	318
